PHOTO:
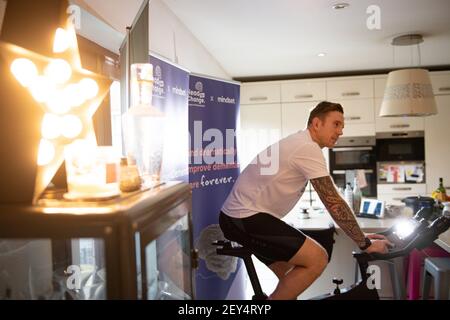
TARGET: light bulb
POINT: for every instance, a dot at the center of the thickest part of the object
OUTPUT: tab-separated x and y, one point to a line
72	94
61	42
41	88
46	152
71	126
58	71
57	102
89	88
24	70
51	126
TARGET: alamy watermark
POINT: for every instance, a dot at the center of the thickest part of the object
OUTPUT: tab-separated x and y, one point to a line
374	279
74	13
373	22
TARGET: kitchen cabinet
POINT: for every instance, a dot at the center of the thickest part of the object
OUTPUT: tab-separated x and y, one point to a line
394	193
256	93
441	83
379	86
359	117
355	88
260	126
437	146
393	124
295	116
300	91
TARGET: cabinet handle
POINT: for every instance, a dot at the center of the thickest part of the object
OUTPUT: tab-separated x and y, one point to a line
402	189
303	96
448	188
398	199
352	118
350	94
444	89
400	125
258	98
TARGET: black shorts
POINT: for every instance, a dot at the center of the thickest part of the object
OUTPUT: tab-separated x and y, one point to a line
269	238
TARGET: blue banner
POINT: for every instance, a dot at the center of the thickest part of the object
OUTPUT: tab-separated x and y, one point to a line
213	169
170	95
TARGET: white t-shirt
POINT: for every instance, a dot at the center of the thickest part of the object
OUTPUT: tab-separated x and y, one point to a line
275	186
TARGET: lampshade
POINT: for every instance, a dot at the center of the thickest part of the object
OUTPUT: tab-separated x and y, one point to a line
408	93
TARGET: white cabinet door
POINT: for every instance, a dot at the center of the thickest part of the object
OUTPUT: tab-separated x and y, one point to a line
437	145
380	85
394	193
440	83
294	116
260	93
260	126
391	124
349	89
298	91
358	117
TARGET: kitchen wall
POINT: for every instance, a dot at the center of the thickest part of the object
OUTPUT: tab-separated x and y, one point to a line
171	39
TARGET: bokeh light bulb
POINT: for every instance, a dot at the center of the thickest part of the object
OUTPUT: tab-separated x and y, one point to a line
46	152
58	103
41	88
51	126
58	71
71	126
89	88
61	42
72	94
24	70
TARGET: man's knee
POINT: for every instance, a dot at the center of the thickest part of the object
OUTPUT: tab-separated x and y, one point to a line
312	256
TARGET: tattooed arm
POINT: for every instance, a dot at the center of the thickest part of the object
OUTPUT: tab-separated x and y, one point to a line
338	209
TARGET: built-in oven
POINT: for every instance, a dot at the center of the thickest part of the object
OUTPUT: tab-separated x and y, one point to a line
355	157
400	146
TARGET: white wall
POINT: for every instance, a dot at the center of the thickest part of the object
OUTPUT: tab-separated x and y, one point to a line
166	33
170	38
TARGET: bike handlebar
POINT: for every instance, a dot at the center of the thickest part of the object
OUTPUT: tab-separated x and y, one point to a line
422	237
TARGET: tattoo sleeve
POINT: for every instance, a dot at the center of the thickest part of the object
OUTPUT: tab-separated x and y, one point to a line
338	209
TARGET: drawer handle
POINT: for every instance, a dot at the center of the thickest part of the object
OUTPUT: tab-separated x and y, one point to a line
303	96
258	98
398	199
402	189
444	89
352	118
448	188
350	94
400	125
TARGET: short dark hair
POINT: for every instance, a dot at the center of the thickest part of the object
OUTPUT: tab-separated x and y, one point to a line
321	110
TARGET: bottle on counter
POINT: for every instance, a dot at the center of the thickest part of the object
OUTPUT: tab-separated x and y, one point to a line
348	195
357	195
440	194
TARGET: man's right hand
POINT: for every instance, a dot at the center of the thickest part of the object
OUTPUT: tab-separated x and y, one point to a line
379	246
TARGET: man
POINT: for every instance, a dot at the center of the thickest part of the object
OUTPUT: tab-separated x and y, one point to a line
251	215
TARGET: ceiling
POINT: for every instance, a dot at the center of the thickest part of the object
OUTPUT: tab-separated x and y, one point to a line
282	38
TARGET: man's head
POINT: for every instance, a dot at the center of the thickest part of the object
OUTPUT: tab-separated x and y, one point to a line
325	123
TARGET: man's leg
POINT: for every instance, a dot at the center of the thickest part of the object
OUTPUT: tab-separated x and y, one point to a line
305	267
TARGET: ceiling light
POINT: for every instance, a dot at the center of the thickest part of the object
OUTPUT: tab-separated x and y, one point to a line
339	6
322	54
408	92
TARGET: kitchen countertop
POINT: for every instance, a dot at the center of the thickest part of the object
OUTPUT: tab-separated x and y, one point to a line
323	220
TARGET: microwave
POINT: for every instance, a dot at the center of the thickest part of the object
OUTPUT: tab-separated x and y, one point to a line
400	146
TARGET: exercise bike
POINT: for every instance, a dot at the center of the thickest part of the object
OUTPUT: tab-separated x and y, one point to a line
413	233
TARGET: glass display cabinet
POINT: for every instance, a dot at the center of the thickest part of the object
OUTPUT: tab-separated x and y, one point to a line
137	246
